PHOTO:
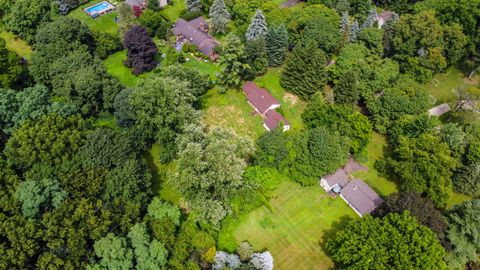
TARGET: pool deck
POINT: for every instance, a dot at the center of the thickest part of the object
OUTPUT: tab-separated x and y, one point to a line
95	14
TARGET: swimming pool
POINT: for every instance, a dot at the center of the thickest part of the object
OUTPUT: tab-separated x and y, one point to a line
99	9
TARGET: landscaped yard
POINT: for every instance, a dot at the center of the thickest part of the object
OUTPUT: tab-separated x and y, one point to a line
173	11
444	85
291	106
17	44
376	150
104	23
231	110
293	229
116	68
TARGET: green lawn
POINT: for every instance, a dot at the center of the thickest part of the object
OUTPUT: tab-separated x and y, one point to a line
204	67
105	23
293	230
116	68
376	150
17	44
291	106
231	110
442	89
173	12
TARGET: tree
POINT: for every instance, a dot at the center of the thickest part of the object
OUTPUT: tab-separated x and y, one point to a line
396	241
159	210
419	207
258	27
463	232
161	107
126	20
149	254
467	180
262	261
193	5
51	140
26	16
232	62
371	19
151	20
455	43
256	57
141	50
347	90
210	168
271	149
424	164
224	260
153	5
353	33
123	111
10	68
244	251
304	72
114	253
276	45
36	196
219	16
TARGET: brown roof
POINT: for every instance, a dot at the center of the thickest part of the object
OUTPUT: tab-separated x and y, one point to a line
191	30
385	15
361	197
338	177
273	119
260	98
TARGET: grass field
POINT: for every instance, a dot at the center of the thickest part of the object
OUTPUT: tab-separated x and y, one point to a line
116	68
17	44
291	106
172	12
231	110
294	229
444	84
105	23
204	67
376	150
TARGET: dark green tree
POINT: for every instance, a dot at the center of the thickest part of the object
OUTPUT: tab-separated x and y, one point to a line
219	16
25	17
193	5
256	57
232	62
304	73
10	68
276	45
467	180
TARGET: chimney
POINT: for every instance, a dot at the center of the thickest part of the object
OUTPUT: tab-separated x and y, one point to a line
355	187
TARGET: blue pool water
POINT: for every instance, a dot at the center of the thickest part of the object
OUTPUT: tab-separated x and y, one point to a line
98	8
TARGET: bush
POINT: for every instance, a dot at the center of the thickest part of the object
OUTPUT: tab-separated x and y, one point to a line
106	44
189	48
190	15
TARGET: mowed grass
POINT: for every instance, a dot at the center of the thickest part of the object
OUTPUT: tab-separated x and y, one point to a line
172	12
17	44
291	106
376	150
104	23
294	229
444	85
204	67
116	68
231	110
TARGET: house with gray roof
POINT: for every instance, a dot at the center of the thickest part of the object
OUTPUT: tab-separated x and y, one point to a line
360	197
334	181
196	32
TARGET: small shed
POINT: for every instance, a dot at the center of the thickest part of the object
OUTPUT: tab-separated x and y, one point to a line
439	110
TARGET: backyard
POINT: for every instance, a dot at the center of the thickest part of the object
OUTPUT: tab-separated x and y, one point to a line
16	44
104	23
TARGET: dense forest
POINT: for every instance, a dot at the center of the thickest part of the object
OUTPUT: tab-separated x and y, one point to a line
120	150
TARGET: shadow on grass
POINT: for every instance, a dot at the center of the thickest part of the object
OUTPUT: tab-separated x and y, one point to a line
156	179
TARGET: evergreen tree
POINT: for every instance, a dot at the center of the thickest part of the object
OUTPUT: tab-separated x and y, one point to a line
232	62
304	73
347	90
258	26
388	32
219	16
342	6
344	23
277	42
193	5
256	57
370	20
153	5
354	30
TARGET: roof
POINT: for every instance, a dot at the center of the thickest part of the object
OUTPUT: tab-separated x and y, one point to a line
273	119
191	30
385	15
338	177
134	3
361	197
439	110
260	98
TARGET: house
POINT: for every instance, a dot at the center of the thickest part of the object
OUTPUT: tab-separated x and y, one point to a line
360	197
383	17
334	181
143	3
196	32
265	104
439	110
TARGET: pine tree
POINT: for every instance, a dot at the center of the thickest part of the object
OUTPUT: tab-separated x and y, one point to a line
342	6
304	73
219	17
371	18
354	30
344	23
277	42
388	32
193	5
256	57
258	26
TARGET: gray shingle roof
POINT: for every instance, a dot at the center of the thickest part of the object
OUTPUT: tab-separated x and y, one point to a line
361	197
191	30
338	177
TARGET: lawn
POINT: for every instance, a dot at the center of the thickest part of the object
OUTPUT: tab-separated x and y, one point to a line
443	86
293	230
172	12
105	23
376	150
17	44
116	68
231	110
291	106
204	67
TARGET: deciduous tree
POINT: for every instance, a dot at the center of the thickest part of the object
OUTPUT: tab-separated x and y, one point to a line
141	50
